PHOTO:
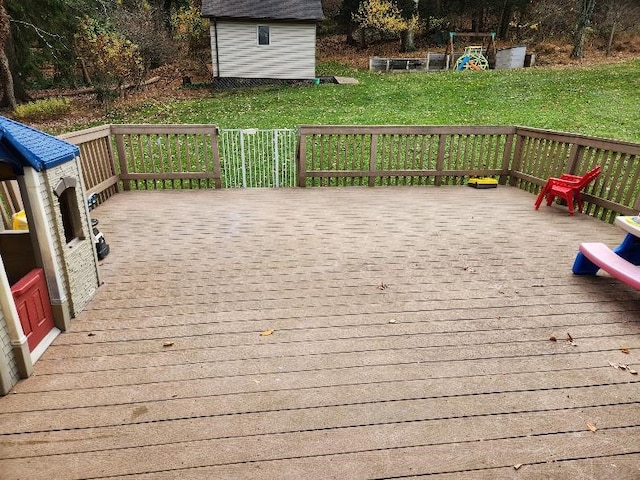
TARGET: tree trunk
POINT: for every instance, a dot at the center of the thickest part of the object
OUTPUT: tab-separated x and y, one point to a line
5	71
19	90
363	37
351	34
407	41
7	81
613	31
505	19
584	21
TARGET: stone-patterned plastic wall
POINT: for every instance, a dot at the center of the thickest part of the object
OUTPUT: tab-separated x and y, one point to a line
76	262
6	351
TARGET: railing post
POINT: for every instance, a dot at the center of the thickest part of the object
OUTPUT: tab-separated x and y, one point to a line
516	166
122	159
373	160
217	171
301	158
575	157
112	159
506	159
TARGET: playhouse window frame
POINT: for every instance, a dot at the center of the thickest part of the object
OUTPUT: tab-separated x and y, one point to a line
69	210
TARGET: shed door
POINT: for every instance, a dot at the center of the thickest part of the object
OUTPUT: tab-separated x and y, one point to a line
34	307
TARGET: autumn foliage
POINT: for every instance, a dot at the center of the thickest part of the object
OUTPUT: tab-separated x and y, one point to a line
110	60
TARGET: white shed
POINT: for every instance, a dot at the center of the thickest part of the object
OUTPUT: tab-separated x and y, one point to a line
263	39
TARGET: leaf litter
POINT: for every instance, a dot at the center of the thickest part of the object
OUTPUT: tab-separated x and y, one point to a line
623	366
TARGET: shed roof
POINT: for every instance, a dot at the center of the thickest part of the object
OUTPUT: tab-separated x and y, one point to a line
304	10
23	146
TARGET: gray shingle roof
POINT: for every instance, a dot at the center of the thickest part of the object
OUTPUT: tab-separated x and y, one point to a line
307	10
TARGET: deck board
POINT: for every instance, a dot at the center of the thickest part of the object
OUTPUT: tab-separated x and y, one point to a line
411	336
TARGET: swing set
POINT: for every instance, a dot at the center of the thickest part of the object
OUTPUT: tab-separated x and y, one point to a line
473	57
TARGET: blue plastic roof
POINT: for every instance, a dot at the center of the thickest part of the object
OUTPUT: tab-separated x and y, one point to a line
23	146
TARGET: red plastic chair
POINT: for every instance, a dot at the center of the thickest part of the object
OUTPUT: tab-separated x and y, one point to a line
567	187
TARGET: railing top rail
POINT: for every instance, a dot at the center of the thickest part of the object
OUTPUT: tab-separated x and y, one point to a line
87	134
162	128
407	129
594	142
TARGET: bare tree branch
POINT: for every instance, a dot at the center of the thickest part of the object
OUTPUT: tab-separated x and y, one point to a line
40	32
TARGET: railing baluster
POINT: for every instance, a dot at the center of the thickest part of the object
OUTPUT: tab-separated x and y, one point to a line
357	155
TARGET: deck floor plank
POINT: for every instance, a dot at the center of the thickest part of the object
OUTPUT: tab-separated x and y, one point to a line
411	336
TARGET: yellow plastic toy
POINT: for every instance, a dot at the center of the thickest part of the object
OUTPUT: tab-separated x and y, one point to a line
19	221
482	182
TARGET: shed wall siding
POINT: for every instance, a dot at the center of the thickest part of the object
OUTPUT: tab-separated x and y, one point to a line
290	56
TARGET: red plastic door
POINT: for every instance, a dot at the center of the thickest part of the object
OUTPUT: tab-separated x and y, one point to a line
34	307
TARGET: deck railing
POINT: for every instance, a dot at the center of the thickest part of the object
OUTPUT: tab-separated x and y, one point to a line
96	158
525	157
167	156
540	154
401	155
125	157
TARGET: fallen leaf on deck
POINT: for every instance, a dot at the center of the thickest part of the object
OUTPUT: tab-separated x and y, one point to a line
383	286
592	427
168	344
266	333
622	366
517	466
91	334
553	339
392	321
625	350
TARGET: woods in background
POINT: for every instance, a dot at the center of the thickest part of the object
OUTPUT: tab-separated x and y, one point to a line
109	43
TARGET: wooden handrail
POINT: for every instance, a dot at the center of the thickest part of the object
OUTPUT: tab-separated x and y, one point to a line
118	157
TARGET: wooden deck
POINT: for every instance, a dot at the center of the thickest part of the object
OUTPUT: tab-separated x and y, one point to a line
410	336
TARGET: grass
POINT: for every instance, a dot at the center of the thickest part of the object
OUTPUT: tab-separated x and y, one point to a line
599	100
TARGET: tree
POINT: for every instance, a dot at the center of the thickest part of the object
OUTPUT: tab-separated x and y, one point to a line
111	59
348	10
42	34
619	15
584	24
191	28
384	17
409	12
5	71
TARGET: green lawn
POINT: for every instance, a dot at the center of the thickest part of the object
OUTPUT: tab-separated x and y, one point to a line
600	100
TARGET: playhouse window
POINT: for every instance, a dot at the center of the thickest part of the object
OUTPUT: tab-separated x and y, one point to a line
69	210
264	35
